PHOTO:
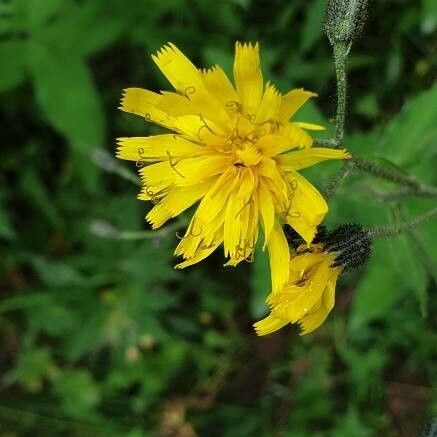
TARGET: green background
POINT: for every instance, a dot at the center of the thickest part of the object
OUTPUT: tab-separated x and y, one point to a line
100	336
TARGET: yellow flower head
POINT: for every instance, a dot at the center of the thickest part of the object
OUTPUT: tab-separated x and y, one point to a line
233	150
309	295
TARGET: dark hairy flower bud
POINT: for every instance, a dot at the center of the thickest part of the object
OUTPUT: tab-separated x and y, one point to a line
352	245
344	20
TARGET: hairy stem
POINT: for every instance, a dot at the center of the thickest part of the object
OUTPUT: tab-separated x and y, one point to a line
399	228
389	175
340	55
404	193
338	180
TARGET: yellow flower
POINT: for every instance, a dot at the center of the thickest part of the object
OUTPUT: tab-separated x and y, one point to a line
234	150
309	294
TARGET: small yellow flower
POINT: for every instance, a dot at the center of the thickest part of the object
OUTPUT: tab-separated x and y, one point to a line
309	295
234	150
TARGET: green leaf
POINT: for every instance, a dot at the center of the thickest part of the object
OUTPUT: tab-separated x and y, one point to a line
409	266
56	273
351	424
67	95
39	12
37	193
409	135
28	300
313	26
379	289
6	229
78	392
13	69
32	367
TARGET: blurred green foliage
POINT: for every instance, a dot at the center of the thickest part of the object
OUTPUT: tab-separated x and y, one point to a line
101	336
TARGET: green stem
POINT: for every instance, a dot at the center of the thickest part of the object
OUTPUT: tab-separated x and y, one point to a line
340	55
104	229
389	175
405	193
399	228
338	180
326	143
101	158
144	235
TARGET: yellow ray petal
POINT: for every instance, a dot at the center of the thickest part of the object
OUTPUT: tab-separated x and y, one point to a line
175	104
184	172
199	256
307	209
200	236
270	104
209	216
218	84
268	325
200	130
233	224
267	211
305	261
274	180
272	145
156	148
298	137
309	294
306	158
215	200
312	321
178	69
176	202
279	255
210	108
199	101
292	102
143	102
248	77
308	126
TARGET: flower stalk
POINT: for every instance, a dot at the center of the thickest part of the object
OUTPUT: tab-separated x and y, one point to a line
399	228
340	56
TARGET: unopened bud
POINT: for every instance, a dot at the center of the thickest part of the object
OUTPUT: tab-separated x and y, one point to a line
345	20
352	245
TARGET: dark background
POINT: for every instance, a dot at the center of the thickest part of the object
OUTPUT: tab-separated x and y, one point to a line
100	335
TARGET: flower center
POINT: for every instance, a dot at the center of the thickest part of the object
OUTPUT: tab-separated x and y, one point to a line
247	154
242	143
